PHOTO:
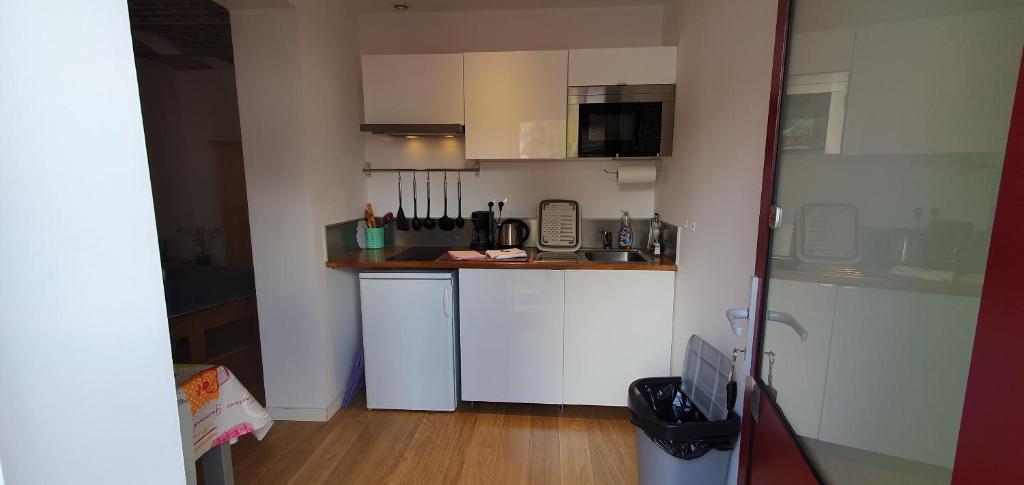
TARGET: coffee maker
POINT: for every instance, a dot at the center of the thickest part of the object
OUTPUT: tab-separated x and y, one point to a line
483	230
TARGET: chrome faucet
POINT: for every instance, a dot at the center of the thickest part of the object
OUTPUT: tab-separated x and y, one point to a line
654	235
606	238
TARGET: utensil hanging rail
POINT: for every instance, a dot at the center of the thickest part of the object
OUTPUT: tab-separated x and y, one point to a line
368	170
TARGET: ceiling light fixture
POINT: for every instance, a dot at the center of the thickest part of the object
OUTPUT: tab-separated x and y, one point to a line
401	6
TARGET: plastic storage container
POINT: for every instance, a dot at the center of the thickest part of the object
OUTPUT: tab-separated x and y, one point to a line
676	442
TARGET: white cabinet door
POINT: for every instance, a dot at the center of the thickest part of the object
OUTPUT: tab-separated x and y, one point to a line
631	65
618	328
934	85
515	104
511	335
418	88
906	399
798	372
820	51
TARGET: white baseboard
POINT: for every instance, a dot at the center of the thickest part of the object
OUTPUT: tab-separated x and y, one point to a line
306	414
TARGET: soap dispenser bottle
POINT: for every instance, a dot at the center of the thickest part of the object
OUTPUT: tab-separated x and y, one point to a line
625	232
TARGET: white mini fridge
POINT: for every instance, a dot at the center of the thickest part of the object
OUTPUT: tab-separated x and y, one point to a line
410	340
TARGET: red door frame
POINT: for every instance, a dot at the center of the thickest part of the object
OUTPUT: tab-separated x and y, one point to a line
789	455
986	451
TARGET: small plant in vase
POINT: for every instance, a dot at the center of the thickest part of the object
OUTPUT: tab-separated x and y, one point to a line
201	237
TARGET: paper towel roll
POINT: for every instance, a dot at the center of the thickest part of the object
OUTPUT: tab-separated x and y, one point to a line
639	174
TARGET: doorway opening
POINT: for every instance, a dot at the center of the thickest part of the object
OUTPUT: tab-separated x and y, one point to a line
183	56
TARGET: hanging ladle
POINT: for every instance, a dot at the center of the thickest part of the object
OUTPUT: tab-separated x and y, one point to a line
459	221
416	224
401	223
428	223
446	223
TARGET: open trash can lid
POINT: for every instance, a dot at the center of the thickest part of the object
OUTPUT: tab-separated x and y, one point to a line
705	377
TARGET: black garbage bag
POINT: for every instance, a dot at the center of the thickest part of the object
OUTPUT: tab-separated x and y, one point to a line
667	416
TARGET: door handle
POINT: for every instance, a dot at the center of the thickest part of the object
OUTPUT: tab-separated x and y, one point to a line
735	314
446	301
787	319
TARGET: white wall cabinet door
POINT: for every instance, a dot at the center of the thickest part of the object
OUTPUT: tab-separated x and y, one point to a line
630	65
516	104
618	328
935	85
897	372
511	335
798	372
820	51
416	88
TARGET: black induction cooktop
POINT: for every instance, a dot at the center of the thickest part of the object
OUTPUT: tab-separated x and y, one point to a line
419	254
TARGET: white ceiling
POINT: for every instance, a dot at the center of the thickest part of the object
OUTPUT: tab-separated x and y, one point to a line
365	6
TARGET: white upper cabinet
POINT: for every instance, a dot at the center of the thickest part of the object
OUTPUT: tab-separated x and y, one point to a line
516	104
630	65
934	85
417	88
820	51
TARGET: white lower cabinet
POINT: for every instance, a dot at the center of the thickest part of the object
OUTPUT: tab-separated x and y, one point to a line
511	335
562	337
897	371
799	369
618	328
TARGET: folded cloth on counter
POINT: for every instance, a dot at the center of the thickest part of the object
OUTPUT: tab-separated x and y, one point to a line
503	254
922	273
466	255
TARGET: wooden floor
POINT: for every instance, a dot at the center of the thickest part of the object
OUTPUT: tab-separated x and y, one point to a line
483	443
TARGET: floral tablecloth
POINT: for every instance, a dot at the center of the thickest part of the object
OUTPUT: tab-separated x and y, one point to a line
222	408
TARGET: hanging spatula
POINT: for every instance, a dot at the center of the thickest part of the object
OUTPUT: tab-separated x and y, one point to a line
401	223
446	223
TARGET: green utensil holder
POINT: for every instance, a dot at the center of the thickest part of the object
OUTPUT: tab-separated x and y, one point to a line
374	237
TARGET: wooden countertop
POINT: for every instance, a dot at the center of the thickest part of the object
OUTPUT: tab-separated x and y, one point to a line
378	259
881	281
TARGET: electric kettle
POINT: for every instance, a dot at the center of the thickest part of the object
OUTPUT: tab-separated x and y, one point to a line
512	233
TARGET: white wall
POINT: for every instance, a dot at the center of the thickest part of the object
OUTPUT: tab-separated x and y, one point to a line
183	111
724	66
413	32
525	184
85	361
300	105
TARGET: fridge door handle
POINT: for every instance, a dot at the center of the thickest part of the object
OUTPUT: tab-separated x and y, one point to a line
446	302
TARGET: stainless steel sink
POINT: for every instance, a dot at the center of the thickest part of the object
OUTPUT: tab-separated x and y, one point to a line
613	256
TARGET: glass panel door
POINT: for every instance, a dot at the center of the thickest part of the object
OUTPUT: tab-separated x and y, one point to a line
891	146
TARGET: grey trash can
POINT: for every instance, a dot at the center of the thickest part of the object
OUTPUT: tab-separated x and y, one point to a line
682	439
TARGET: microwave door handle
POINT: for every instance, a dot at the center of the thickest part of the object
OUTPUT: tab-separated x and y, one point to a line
628	159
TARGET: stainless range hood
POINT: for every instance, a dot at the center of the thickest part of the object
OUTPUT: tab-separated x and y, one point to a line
414	129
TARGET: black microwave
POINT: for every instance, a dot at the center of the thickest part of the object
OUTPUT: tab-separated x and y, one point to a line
620	121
